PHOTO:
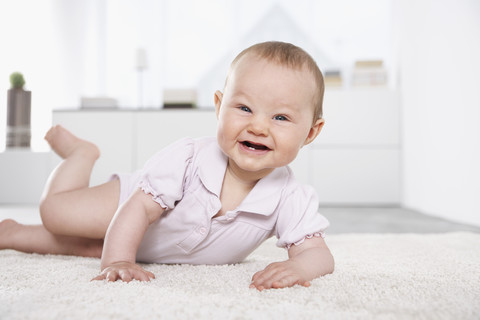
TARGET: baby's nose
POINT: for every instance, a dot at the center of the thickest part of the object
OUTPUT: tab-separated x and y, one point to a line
259	126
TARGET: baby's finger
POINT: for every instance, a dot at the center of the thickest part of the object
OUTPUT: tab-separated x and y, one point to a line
125	275
141	275
257	275
258	278
112	276
284	282
268	272
99	277
289	281
266	279
147	275
150	274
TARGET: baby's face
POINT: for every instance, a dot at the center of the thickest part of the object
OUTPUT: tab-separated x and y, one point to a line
265	115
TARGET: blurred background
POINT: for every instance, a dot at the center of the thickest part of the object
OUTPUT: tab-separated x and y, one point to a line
401	105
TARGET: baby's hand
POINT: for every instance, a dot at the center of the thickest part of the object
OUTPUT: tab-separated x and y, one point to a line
279	275
125	271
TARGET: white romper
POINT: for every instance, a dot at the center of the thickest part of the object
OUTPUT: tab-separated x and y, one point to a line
186	178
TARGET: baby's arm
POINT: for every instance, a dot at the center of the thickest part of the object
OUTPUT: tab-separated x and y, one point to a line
307	261
123	238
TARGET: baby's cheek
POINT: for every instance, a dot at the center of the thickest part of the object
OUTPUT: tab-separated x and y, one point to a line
290	154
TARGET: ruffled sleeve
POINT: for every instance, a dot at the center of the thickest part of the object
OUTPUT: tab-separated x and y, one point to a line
164	175
298	218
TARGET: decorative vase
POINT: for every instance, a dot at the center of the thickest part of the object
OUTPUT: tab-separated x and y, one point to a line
18	118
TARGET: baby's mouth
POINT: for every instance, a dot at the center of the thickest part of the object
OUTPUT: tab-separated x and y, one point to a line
254	146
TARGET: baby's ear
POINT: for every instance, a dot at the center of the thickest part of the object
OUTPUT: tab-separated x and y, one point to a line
218	96
314	131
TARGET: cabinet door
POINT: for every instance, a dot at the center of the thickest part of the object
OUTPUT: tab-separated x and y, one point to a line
361	118
111	131
357	176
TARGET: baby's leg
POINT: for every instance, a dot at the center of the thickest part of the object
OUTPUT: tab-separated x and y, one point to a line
69	206
36	239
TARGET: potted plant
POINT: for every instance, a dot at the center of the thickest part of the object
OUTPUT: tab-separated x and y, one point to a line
18	113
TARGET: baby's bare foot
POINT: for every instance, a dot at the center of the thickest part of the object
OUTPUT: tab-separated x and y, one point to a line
7	230
65	144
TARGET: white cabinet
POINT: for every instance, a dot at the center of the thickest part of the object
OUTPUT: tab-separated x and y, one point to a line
357	176
355	159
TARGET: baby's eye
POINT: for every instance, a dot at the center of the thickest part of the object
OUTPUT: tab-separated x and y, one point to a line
280	118
244	108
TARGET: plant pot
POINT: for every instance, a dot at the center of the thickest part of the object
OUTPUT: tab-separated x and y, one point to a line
18	118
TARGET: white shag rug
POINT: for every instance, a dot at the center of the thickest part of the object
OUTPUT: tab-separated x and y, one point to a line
377	276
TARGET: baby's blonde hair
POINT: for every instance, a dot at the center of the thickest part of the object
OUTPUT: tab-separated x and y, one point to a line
289	55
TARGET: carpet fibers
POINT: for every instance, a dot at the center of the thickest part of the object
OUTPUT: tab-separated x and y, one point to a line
377	276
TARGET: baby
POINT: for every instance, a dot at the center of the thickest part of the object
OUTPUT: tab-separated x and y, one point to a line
200	201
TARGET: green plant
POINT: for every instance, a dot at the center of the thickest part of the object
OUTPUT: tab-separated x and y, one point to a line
16	80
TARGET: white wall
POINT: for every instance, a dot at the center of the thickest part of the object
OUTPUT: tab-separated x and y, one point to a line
58	46
69	48
440	81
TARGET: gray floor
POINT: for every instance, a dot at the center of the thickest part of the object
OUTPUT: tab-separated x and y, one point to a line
342	220
388	220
